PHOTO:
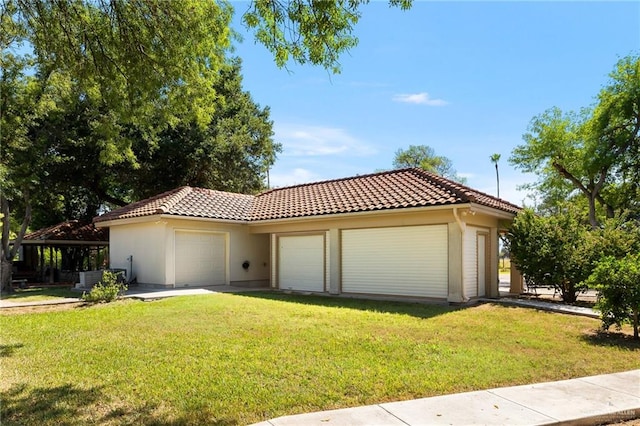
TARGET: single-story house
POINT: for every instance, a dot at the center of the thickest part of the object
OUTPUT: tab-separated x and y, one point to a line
403	232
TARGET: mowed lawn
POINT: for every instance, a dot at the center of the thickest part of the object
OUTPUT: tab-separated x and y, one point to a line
238	359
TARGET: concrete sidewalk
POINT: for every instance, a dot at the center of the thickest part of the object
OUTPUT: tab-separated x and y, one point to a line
546	306
142	293
594	400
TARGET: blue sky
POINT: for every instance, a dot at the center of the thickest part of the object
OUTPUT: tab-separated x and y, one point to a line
465	78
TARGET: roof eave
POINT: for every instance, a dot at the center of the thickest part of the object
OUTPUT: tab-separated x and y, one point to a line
493	211
61	242
331	216
205	219
126	220
159	217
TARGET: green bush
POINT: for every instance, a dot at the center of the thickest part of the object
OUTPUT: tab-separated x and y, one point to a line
107	290
556	251
618	285
561	251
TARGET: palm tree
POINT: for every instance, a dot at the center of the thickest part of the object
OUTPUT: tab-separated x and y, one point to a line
494	159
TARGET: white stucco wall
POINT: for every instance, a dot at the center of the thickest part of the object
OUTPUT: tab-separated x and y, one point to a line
143	241
152	245
241	246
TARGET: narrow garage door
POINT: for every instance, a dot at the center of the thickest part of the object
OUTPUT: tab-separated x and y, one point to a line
404	261
200	258
301	262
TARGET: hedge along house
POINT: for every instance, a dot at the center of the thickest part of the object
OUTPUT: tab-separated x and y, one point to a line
397	233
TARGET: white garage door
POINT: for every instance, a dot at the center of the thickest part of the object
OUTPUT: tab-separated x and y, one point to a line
301	263
200	258
405	261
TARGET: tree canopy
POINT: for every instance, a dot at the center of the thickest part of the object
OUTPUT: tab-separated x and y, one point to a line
594	153
308	31
424	157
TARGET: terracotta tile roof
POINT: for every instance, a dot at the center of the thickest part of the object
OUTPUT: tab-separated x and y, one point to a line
395	189
71	230
187	201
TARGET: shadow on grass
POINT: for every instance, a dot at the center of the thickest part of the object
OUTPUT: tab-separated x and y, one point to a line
612	339
8	350
55	405
72	405
41	293
415	308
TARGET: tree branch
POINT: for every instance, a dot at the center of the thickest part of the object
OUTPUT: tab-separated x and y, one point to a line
567	175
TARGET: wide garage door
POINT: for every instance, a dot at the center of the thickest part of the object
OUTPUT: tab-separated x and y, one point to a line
200	258
405	261
301	262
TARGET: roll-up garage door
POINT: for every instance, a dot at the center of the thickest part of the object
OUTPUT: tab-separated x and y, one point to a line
301	262
404	261
200	258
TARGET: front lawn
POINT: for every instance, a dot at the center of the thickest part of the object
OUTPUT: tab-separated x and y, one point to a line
237	359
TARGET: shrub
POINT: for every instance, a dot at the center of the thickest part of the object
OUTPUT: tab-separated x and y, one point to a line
618	284
556	251
107	290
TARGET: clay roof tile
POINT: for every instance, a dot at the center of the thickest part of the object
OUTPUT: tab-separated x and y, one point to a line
393	189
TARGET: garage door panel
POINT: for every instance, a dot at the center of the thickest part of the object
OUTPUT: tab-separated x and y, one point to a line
301	262
200	258
408	261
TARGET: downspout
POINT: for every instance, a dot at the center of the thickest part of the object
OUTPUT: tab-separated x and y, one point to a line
463	226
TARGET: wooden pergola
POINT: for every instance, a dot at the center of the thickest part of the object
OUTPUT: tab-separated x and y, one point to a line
58	253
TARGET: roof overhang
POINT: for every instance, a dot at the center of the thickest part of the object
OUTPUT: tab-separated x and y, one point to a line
471	207
164	217
334	216
501	214
61	243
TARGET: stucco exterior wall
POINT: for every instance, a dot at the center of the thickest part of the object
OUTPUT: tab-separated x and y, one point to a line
146	243
152	245
461	243
151	241
242	246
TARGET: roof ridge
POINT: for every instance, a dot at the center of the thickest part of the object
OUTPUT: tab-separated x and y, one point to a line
449	184
235	194
314	183
465	191
174	199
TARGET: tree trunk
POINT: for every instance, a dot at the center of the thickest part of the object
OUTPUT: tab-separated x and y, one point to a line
497	180
567	292
592	191
592	212
5	275
7	251
635	325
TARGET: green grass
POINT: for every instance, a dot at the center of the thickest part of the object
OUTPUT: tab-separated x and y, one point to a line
39	294
237	359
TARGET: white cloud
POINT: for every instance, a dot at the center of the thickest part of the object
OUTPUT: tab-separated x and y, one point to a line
467	176
302	140
294	176
422	98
